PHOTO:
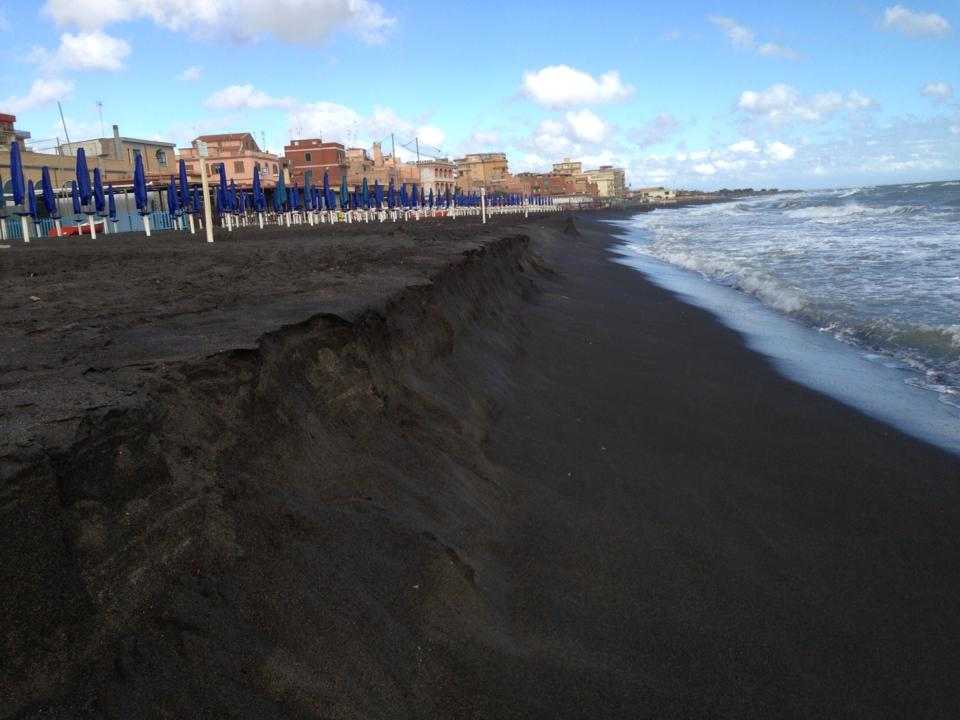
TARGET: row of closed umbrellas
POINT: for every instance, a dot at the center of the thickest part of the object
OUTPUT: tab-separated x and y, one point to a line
92	200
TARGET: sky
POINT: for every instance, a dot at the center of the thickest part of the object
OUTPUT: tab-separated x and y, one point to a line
694	95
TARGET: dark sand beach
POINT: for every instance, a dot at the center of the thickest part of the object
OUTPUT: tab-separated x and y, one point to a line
442	470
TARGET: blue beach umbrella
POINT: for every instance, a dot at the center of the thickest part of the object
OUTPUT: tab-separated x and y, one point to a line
75	199
404	198
32	200
99	200
414	198
326	190
378	194
343	192
222	188
197	204
308	190
259	199
19	187
83	178
430	198
233	201
365	195
280	194
185	199
49	198
111	204
172	204
140	186
448	196
355	198
391	196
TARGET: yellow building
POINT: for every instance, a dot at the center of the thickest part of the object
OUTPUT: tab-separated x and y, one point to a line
610	181
568	167
478	170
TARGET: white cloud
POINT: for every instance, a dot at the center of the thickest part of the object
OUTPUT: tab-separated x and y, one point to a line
485	138
937	90
780	151
744	38
295	21
430	135
782	103
955	129
705	169
914	23
41	92
658	130
83	51
340	123
748	147
245	97
191	74
4	23
587	126
563	86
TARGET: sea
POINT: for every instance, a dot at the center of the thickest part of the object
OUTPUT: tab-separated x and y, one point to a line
853	291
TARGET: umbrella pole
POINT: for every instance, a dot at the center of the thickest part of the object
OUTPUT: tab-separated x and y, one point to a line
59	229
260	215
193	228
93	228
146	224
25	226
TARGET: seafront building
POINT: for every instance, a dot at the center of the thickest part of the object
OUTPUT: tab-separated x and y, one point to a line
313	155
114	156
611	181
239	154
480	170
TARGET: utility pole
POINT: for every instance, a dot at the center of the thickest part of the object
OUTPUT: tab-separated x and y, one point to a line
419	170
202	154
63	122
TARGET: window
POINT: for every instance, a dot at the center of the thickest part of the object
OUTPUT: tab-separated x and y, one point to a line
161	157
238	166
275	171
307	157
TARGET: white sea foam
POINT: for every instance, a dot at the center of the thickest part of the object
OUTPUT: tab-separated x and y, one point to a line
872	267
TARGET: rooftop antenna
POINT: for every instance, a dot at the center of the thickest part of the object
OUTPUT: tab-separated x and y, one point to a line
100	111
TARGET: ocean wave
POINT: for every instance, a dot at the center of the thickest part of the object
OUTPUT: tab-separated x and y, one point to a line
833	213
766	288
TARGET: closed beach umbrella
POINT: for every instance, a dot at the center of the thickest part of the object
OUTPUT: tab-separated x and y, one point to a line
326	190
355	198
259	199
140	192
140	185
414	198
83	178
233	197
378	194
172	204
49	198
111	204
99	199
430	198
365	195
343	192
280	194
391	196
32	200
19	189
75	199
185	199
197	201
404	199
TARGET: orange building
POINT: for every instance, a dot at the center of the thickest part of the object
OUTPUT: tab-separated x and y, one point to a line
239	154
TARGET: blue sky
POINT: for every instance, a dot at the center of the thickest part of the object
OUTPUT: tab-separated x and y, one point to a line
704	95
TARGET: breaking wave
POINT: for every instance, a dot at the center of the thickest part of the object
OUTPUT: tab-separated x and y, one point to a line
875	267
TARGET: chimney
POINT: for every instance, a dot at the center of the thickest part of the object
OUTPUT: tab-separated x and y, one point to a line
116	142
